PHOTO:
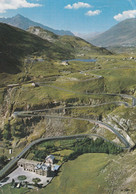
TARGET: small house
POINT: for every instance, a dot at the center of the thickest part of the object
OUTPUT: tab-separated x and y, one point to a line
10	151
35	84
65	63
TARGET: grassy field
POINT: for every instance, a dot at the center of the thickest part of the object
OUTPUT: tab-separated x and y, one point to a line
90	173
7	189
83	175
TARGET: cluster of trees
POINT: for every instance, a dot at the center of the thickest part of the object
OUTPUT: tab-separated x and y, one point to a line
1	135
79	147
41	154
3	161
22	183
18	129
7	132
90	146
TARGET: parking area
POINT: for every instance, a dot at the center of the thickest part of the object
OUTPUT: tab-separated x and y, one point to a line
29	177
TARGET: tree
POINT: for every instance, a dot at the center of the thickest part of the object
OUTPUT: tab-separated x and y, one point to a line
1	134
36	181
13	182
26	184
7	132
3	161
7	135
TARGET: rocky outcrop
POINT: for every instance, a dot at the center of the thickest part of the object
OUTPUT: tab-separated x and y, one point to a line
124	126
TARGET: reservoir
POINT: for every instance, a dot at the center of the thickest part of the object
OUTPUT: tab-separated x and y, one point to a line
82	60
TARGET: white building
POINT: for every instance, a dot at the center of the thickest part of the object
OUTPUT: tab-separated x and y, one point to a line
50	159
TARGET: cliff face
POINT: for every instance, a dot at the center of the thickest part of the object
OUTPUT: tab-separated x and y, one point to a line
44	34
124	124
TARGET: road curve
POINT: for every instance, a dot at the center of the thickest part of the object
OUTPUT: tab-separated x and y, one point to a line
101	124
89	93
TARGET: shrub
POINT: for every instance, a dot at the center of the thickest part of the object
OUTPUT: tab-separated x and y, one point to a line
22	177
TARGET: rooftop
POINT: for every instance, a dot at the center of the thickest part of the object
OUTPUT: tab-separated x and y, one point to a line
28	161
50	156
42	166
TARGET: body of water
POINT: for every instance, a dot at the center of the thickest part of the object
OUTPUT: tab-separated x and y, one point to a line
82	60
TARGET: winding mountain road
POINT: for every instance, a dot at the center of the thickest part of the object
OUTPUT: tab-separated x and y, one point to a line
127	144
100	124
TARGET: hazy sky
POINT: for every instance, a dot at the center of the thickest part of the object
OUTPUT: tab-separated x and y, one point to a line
78	16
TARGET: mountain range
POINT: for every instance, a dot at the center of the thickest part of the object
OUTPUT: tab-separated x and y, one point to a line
122	34
24	23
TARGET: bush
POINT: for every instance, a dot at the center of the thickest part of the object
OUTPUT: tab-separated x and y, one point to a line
7	132
36	181
3	161
1	134
22	177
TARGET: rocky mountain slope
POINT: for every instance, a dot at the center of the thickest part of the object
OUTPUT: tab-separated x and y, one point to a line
24	23
70	42
122	34
16	44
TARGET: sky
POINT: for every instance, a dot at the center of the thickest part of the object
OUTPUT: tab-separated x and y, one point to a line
85	16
